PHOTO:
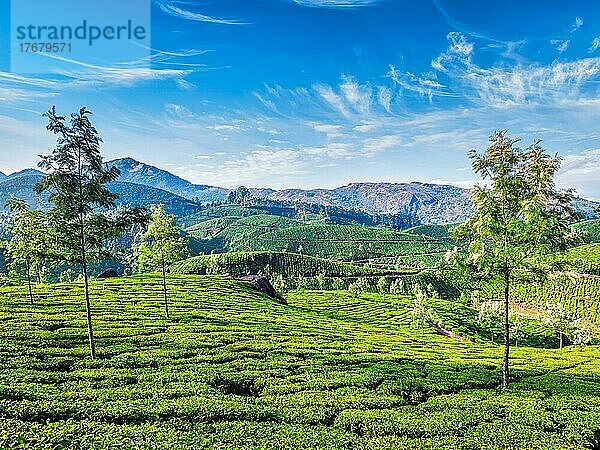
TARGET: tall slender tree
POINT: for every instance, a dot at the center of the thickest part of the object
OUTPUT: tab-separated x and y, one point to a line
519	215
76	178
29	244
161	245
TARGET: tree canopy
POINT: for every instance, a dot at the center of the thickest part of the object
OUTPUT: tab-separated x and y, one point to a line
519	215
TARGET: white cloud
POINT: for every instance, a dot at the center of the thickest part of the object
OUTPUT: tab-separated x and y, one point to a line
178	112
535	83
262	166
586	163
595	45
21	141
332	131
407	81
581	170
459	50
372	146
333	99
561	46
169	8
333	150
501	85
577	24
267	103
366	127
184	84
384	97
358	96
225	127
466	184
335	4
14	95
129	74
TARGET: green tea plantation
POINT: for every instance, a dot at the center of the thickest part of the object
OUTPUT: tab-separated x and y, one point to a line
234	369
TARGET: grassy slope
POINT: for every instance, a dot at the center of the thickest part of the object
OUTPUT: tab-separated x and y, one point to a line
347	242
234	369
437	231
285	264
585	258
235	233
592	228
265	232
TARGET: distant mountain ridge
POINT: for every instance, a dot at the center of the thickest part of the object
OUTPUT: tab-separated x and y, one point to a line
133	171
429	203
20	185
426	202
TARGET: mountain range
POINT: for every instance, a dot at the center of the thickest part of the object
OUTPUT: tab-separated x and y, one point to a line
143	184
133	171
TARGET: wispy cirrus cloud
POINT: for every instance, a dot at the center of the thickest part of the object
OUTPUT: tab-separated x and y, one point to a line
71	75
169	7
11	95
266	167
421	85
125	74
577	24
336	4
513	84
376	145
595	45
330	150
581	170
561	46
350	98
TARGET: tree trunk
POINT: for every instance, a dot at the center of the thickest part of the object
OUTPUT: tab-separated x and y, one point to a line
88	311
86	290
164	280
29	281
505	371
560	337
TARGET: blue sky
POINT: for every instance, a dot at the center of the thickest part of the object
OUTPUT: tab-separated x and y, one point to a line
319	93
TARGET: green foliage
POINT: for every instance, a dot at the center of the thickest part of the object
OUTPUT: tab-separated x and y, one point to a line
286	264
519	216
421	314
346	242
82	217
30	244
560	320
490	318
359	286
580	294
376	247
583	259
161	244
234	233
132	195
436	231
241	196
591	229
